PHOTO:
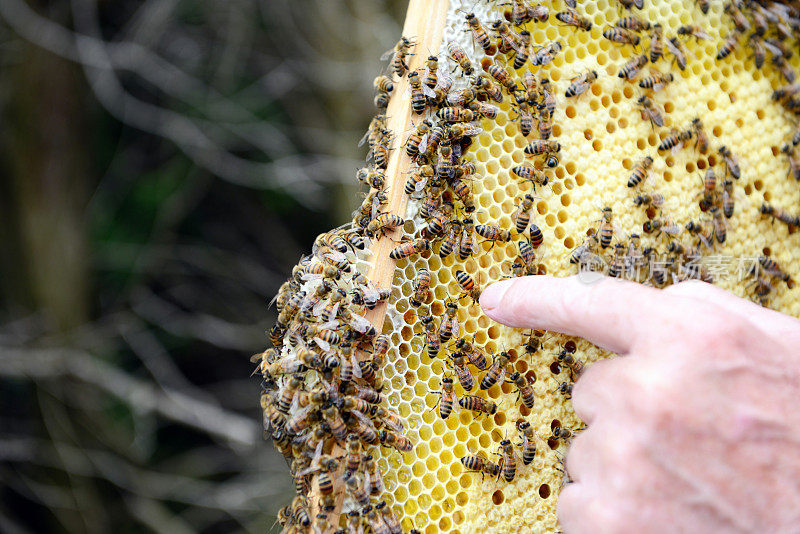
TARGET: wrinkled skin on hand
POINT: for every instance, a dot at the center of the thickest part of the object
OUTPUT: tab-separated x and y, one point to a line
696	428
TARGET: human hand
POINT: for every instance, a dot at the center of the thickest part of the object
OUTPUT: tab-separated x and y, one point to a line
696	429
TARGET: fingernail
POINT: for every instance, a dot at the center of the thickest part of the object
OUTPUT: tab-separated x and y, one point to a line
492	295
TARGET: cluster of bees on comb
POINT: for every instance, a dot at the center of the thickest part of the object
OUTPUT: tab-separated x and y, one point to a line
322	400
680	259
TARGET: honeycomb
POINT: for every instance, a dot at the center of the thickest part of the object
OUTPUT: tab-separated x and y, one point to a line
603	136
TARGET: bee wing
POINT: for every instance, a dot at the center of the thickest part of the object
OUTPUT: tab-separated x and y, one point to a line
455	329
335	255
427	91
701	35
386	55
309	469
419	186
324	345
363	418
471	130
335	310
356	367
444	82
393	421
319	306
672	229
359	323
423	144
310	276
295	404
364	139
456	404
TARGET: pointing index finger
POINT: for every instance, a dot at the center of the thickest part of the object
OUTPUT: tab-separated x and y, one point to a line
614	314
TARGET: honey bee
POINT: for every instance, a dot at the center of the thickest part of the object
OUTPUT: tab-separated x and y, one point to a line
463	191
459	130
299	421
565	388
432	66
539	13
418	97
606	230
483	84
621	35
353	453
739	20
300	511
728	202
785	69
656	43
523	388
398	54
502	76
700	133
703	230
534	342
471	289
508	39
409	248
375	521
632	67
479	33
522	215
422	287
573	18
675	140
729	45
655	200
794	160
584	252
479	464
451	114
475	355
731	162
432	343
449	328
581	83
537	238
709	189
457	54
414	140
617	265
528	443
720	230
759	51
678	51
465	377
477	404
382	223
509	460
398	441
566	356
772	268
528	255
548	96
496	373
493	233
441	90
781	215
383	83
468	245
525	118
535	148
627	4
389	518
694	31
447	398
547	53
287	393
356	490
640	171
520	13
562	432
650	111
633	23
449	243
785	92
521	57
656	81
661	225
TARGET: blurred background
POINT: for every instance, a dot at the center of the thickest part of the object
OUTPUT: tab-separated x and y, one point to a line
163	164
